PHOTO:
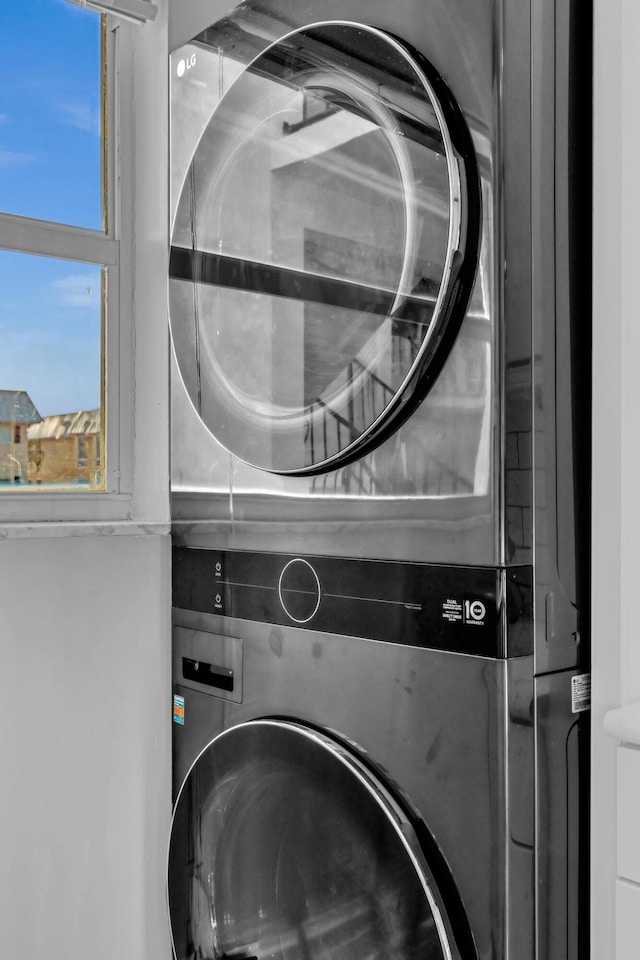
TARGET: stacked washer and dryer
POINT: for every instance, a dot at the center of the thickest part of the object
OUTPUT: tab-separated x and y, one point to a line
379	302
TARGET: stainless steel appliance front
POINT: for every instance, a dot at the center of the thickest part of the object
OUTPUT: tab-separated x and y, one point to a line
379	301
366	799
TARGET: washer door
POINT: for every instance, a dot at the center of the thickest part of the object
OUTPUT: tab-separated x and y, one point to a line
324	248
284	846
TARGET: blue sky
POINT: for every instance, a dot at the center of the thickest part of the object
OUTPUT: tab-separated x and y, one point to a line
50	169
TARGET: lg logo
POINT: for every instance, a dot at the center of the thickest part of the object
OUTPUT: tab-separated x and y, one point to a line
184	65
474	611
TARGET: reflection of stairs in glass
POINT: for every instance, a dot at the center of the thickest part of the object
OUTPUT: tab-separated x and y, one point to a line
328	431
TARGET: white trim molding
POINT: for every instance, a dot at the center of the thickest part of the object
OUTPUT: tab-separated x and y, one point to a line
139	11
623	724
47	239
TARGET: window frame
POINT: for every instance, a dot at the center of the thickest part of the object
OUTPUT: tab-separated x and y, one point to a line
110	249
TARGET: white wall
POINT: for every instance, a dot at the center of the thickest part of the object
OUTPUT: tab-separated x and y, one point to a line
85	737
616	500
606	464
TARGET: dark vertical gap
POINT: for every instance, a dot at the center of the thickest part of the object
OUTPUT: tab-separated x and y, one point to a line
580	266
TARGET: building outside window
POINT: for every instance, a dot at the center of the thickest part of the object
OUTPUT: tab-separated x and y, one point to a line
17	412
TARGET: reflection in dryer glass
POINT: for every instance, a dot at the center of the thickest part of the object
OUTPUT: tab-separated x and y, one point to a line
289	858
311	252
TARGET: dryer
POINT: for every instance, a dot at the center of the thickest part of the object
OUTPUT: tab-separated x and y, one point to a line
379	305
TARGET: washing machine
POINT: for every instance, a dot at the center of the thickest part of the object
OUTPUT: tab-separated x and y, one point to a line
379	299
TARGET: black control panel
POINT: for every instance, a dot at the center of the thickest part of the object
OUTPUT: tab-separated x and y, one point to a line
459	609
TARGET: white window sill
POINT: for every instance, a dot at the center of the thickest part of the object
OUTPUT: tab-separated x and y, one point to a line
38	508
82	528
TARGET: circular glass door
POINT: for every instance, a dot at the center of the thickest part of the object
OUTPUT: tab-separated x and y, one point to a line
324	248
285	847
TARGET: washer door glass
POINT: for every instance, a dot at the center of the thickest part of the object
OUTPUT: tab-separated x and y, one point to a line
324	248
285	847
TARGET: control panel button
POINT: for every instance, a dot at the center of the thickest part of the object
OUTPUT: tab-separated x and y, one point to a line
299	590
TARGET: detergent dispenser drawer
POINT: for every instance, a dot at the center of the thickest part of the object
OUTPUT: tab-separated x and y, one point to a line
208	662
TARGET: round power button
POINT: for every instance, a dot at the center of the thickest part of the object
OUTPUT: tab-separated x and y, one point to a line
299	590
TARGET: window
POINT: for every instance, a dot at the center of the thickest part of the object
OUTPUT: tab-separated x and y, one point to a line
57	244
68	134
51	112
68	303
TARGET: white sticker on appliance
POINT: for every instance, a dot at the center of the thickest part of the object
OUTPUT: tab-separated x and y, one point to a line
581	692
474	612
452	611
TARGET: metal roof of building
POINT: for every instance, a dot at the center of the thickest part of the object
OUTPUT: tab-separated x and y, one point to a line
80	423
16	406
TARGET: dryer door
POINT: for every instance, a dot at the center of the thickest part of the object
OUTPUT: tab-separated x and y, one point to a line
284	846
324	247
